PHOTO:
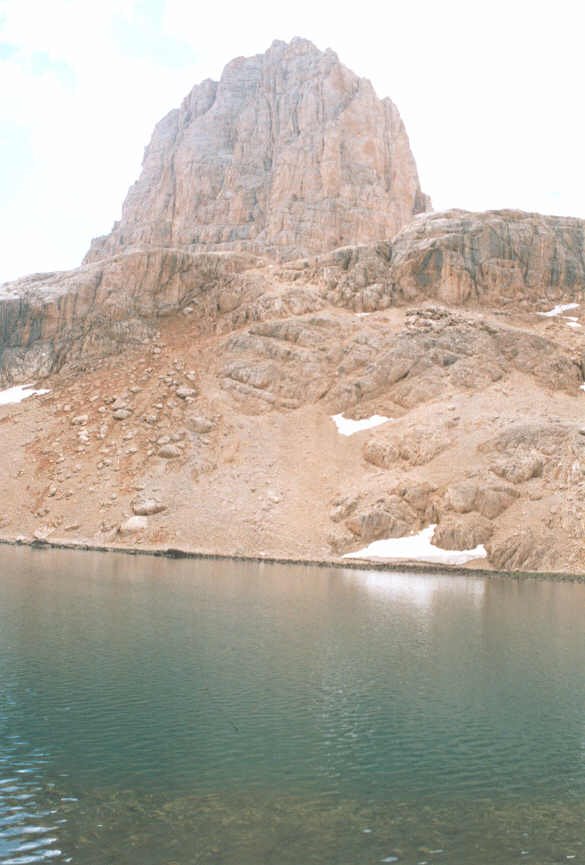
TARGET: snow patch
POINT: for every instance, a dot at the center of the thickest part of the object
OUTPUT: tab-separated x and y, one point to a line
347	427
362	314
558	310
417	547
18	393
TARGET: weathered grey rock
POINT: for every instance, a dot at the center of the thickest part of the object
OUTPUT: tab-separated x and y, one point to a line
417	448
498	258
340	541
422	361
342	507
537	436
295	360
418	495
461	497
122	414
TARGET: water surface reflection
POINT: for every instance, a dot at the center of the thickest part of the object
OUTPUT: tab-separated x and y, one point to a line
162	711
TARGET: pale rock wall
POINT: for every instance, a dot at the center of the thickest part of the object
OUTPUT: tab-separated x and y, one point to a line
78	316
498	260
290	154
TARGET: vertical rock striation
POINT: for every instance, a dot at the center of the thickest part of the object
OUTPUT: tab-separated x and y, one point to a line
290	154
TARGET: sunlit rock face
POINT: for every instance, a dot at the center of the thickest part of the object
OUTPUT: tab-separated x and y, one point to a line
501	260
496	257
289	154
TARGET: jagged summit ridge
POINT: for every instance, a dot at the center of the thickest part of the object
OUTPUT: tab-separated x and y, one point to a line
289	154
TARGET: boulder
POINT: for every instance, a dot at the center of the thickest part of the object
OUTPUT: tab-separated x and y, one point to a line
199	423
386	518
133	525
463	532
169	451
519	468
184	392
490	500
147	507
524	550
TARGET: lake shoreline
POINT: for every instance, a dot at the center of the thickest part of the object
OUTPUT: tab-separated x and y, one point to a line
352	564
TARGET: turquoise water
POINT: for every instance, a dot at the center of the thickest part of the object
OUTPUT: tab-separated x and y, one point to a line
156	711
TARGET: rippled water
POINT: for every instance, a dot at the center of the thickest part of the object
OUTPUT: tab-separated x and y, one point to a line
174	712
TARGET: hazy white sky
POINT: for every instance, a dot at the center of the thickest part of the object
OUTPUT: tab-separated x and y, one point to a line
491	94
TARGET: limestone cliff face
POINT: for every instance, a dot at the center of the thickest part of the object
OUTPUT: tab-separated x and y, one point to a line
290	154
272	270
501	260
499	257
495	259
78	316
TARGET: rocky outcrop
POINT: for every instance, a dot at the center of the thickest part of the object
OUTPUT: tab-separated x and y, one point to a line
462	532
77	317
440	350
389	517
48	320
225	441
525	550
218	429
302	359
289	154
419	447
487	499
498	258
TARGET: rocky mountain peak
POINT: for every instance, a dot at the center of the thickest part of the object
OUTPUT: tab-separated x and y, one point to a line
289	154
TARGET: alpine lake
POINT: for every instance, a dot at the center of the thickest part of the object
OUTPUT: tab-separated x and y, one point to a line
173	712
